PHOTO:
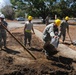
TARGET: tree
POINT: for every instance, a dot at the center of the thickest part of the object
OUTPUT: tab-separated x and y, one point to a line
19	7
40	8
62	8
73	9
8	12
43	8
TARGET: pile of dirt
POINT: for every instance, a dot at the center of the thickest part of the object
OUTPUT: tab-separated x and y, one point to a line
14	60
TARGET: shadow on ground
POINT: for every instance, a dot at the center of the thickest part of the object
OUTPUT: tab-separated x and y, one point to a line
35	49
10	51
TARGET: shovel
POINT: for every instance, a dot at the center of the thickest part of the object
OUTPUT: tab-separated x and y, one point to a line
72	42
19	42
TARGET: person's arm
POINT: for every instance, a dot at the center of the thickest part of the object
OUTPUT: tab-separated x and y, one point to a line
51	32
24	28
6	24
33	30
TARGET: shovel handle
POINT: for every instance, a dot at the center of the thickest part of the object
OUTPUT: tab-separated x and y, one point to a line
19	42
70	38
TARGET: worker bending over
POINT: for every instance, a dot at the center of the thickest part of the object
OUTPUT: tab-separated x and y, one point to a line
50	35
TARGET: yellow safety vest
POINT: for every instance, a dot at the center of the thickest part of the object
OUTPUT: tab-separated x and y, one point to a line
29	31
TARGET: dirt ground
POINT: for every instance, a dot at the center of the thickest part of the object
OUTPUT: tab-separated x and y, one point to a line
14	60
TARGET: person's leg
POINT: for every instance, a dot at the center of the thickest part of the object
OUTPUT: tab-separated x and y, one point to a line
4	36
4	39
64	34
29	38
57	42
45	47
59	35
0	41
25	38
48	47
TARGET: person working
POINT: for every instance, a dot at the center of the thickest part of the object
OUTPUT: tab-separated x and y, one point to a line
3	35
63	27
50	35
27	31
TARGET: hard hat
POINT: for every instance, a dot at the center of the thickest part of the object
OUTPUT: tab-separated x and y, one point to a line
2	16
29	17
66	18
57	22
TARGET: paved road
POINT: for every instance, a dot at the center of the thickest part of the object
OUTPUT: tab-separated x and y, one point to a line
14	25
21	23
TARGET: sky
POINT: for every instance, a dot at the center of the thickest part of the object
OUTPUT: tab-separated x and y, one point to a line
4	2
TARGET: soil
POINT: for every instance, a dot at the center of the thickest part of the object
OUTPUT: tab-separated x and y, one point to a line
14	60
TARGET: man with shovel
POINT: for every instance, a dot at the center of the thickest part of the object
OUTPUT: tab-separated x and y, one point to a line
63	27
51	38
3	34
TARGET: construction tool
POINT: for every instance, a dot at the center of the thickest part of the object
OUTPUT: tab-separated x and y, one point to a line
72	42
19	42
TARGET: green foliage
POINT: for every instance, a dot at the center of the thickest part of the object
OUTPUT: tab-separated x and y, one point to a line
8	12
73	9
19	8
42	8
19	13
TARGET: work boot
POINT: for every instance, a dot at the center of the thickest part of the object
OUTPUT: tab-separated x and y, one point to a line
1	45
29	44
0	48
29	47
63	42
5	47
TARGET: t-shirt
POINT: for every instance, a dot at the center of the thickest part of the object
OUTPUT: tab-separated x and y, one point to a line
28	25
64	26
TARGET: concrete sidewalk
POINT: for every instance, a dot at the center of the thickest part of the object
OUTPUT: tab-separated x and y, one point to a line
63	49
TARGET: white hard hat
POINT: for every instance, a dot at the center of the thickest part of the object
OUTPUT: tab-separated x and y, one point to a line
2	16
